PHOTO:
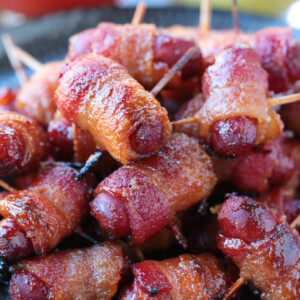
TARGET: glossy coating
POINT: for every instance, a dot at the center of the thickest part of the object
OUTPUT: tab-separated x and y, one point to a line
262	245
22	144
244	218
88	273
99	95
283	200
26	286
152	190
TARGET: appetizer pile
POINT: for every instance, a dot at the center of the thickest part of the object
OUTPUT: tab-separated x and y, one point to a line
190	192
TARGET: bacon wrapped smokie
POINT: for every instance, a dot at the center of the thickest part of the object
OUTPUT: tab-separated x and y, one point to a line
101	97
35	98
22	144
262	245
277	50
88	273
279	55
283	201
284	197
145	52
184	277
259	170
38	218
236	116
142	198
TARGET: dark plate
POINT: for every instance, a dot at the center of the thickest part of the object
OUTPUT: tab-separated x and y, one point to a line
47	38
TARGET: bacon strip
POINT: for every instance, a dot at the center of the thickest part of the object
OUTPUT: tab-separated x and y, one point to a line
142	198
89	273
45	213
277	50
236	116
146	53
100	96
184	277
262	245
22	144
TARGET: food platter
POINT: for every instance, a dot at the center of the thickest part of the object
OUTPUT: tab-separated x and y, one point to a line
47	38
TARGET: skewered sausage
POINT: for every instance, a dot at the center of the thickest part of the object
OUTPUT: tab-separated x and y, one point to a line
142	198
185	277
89	273
262	245
236	116
38	218
101	97
22	144
144	51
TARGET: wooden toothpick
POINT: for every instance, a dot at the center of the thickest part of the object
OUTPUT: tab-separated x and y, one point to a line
284	100
94	160
185	121
235	287
10	49
235	16
7	187
139	13
178	66
205	16
27	59
296	223
272	102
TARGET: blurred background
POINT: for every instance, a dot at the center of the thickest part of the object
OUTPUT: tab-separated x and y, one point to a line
15	12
